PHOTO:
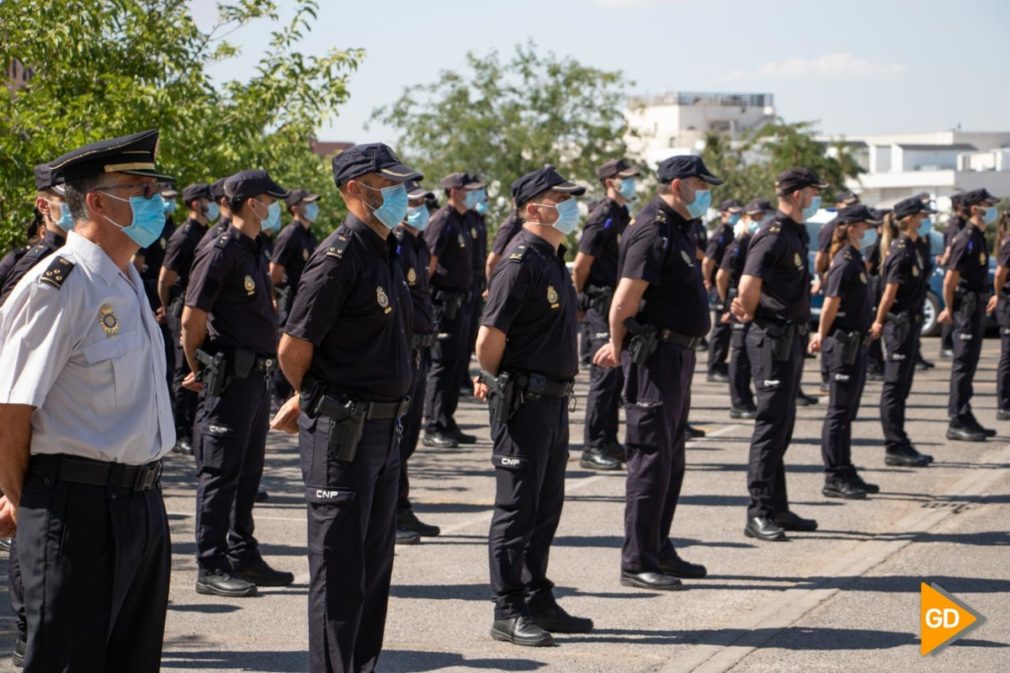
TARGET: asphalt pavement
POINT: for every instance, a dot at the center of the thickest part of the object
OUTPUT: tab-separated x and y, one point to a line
845	598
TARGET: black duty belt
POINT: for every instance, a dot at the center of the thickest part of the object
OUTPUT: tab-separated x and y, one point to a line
800	329
334	408
78	470
836	332
536	385
265	365
671	337
418	341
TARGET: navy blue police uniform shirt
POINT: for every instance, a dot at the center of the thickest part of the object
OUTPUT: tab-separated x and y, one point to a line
413	256
292	249
181	250
904	265
824	236
448	238
1004	260
231	282
47	245
660	249
847	279
154	257
601	240
778	256
532	300
213	233
717	244
970	257
354	306
734	258
478	243
955	225
8	262
507	230
700	235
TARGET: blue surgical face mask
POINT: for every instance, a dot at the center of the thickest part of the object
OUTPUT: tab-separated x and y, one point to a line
627	189
65	221
568	216
273	217
925	227
471	199
418	217
311	211
701	203
753	226
811	210
733	219
869	238
990	215
170	206
213	211
148	218
394	204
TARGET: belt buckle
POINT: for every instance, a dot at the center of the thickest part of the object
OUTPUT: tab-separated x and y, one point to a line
147	476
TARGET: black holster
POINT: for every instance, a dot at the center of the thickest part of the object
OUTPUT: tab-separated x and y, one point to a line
450	302
902	325
348	419
967	303
213	372
175	307
849	344
780	341
644	340
504	397
597	298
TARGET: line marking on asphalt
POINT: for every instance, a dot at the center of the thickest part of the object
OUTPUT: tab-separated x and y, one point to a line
759	626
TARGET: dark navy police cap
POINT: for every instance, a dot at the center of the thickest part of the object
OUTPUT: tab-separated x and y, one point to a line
46	180
797	178
217	189
462	181
978	197
617	168
730	205
913	205
758	206
685	166
537	182
858	213
847	198
300	195
247	184
416	191
359	160
133	154
197	190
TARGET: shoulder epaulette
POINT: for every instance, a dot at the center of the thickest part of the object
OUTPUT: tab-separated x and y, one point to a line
519	252
336	251
774	228
222	241
57	272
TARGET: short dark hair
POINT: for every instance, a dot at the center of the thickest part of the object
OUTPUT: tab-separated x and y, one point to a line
74	191
236	204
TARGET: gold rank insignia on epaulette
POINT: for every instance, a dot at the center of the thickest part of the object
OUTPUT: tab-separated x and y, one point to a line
774	228
519	252
222	241
57	272
660	216
336	251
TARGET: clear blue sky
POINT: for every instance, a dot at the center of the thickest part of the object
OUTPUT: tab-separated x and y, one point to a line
859	66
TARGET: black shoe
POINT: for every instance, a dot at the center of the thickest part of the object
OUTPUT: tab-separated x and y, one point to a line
839	487
649	580
406	536
183	447
763	528
461	437
1003	414
521	631
946	354
988	432
804	400
792	521
262	575
745	412
262	496
693	432
407	520
18	653
615	450
555	619
965	434
906	456
595	459
924	365
865	485
220	583
439	440
678	567
717	377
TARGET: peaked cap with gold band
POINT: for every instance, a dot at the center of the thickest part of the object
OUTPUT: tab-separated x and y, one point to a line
133	154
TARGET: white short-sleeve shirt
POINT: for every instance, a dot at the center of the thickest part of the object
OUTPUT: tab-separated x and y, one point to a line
81	345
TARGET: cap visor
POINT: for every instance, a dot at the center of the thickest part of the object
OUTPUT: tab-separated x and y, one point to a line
474	186
150	174
569	188
629	173
400	173
310	198
710	179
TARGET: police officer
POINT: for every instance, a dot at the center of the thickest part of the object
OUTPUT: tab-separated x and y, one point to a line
718	345
904	283
842	335
775	295
86	419
229	339
595	277
50	203
507	230
451	244
528	354
173	280
414	258
872	255
728	286
475	297
31	231
999	304
346	351
223	210
958	218
964	290
661	306
148	262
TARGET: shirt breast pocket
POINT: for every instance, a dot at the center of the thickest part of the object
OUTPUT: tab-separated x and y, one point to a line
116	369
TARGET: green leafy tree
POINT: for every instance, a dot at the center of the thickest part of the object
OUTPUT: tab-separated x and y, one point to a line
103	68
503	118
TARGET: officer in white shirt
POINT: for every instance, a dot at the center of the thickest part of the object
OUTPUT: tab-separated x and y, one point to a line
85	419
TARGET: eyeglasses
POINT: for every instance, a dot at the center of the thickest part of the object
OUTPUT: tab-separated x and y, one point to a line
146	189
